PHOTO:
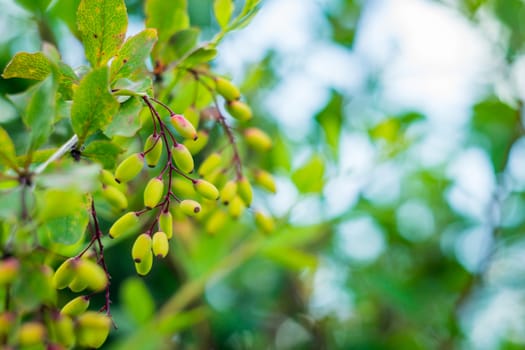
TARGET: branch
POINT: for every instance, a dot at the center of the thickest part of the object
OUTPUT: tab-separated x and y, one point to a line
66	147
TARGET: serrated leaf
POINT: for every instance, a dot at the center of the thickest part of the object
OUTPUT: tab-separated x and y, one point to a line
330	118
134	289
133	53
126	122
104	152
102	25
183	41
93	105
7	150
35	66
309	177
40	113
66	229
36	6
223	10
168	17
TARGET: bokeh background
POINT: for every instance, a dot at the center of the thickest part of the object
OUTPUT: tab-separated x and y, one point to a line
400	162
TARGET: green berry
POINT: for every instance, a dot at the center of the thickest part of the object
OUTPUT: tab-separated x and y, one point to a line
160	245
141	248
114	197
129	168
190	207
216	221
75	307
153	192
239	110
244	188
258	139
210	164
226	89
31	333
195	146
228	191
265	223
265	180
182	157
236	207
183	126
124	224
144	266
152	150
92	329
65	274
166	224
93	274
206	189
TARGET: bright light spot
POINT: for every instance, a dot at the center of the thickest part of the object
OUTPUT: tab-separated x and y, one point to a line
415	220
472	248
360	240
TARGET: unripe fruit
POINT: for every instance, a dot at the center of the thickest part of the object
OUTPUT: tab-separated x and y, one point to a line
265	223
8	270
78	284
166	224
265	180
144	266
153	192
182	188
129	168
193	116
244	188
258	139
75	307
183	126
210	164
124	224
152	150
93	274
63	330
236	207
93	329
190	207
107	178
141	247
160	245
114	197
31	333
206	189
228	191
239	110
216	222
226	89
182	157
65	274
195	146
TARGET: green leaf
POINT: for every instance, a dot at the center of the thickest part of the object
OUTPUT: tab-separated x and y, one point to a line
36	6
7	150
292	258
201	55
168	17
223	10
133	53
183	41
35	66
93	105
126	122
102	25
56	203
104	152
40	113
66	229
133	290
331	119
309	177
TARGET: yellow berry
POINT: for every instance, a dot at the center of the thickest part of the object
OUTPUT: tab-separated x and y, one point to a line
63	330
239	110
160	245
75	307
210	164
31	333
94	275
228	191
226	89
129	168
92	329
78	284
8	270
236	207
244	188
206	189
65	274
190	207
144	266
216	221
152	150
141	248
166	224
265	180
182	157
265	223
114	197
153	192
124	224
258	139
183	126
182	187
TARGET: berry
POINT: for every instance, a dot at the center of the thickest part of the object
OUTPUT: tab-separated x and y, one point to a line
129	168
190	207
160	245
153	192
152	150
166	224
239	110
141	247
206	189
226	89
183	126
258	139
124	224
182	157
